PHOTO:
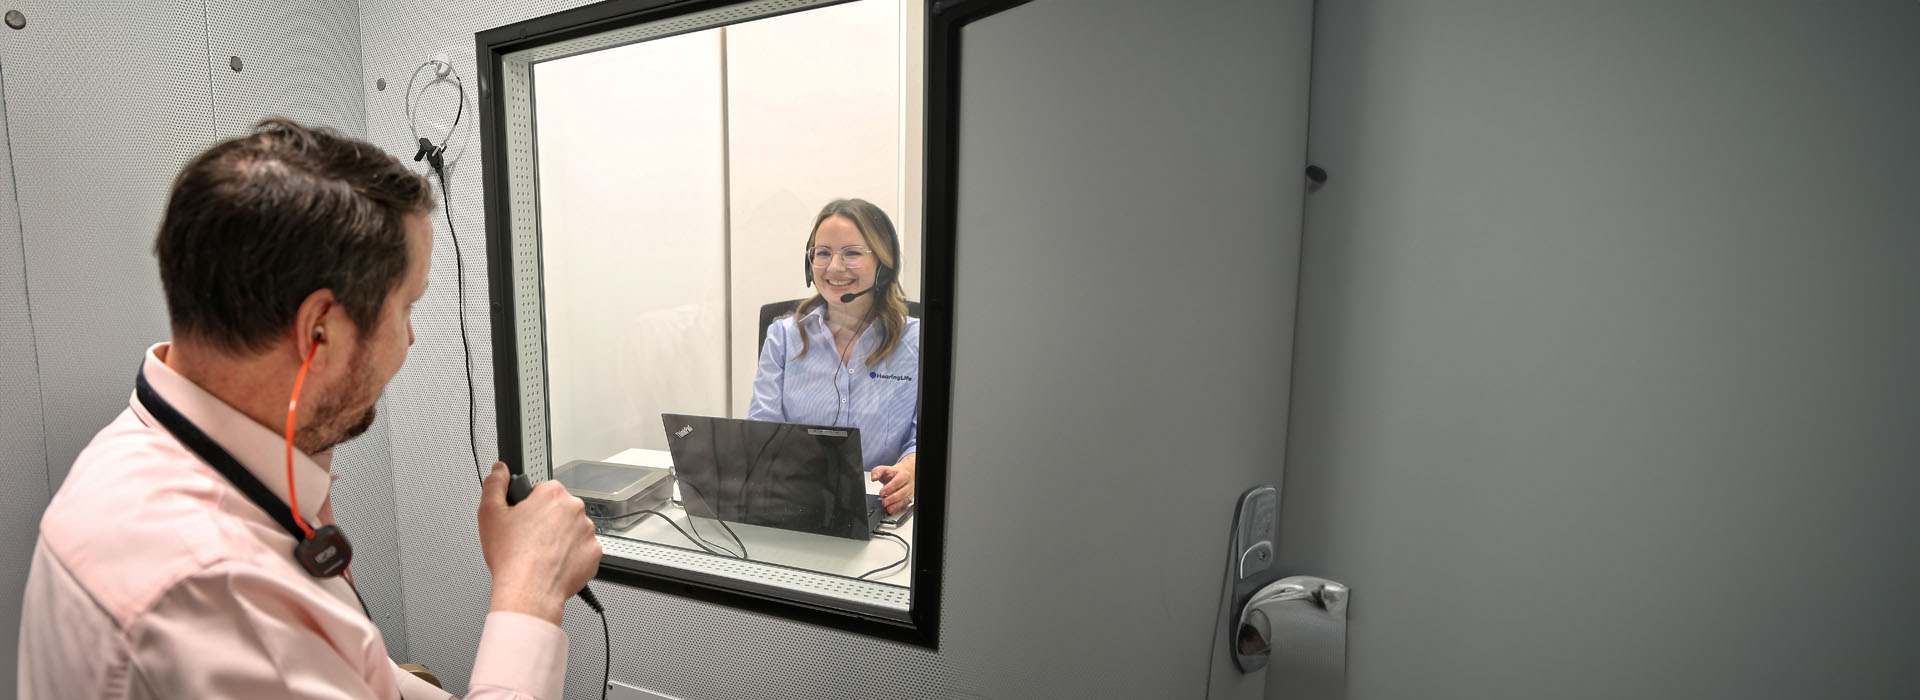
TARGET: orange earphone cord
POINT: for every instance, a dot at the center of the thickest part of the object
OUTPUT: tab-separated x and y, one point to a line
293	404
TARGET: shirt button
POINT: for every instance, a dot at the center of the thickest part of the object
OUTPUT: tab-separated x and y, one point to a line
843	399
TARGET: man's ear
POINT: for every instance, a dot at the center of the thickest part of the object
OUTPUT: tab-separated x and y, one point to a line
311	324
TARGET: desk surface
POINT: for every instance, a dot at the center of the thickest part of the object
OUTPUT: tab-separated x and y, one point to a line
802	550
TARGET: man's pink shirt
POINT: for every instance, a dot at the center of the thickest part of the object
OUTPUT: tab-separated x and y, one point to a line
154	577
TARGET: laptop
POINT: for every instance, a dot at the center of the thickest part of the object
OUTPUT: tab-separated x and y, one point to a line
792	476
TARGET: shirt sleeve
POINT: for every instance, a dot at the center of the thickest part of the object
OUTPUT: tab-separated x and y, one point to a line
412	688
766	380
237	631
521	656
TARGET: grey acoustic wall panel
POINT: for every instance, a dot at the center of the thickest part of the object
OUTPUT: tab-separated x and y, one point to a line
24	487
363	504
1017	622
436	484
105	101
1608	329
302	60
298	59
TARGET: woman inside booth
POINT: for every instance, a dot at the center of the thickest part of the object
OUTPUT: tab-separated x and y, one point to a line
850	355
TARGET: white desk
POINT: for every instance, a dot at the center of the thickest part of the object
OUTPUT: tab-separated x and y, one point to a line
801	550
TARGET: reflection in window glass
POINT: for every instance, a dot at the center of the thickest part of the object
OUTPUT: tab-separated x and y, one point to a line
729	232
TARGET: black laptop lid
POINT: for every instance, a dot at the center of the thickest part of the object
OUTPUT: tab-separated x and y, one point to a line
785	475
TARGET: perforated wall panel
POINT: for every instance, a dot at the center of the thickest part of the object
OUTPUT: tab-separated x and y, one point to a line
302	60
363	503
105	101
524	192
298	60
436	483
23	447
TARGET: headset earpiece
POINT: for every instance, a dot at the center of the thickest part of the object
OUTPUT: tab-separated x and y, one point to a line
426	146
888	273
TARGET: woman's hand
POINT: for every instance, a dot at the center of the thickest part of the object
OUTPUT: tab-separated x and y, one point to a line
896	490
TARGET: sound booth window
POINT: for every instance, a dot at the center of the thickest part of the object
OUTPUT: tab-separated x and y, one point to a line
707	231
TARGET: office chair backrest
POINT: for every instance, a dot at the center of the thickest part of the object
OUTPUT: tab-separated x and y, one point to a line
771	312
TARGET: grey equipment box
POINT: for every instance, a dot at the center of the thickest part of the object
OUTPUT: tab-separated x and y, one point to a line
616	494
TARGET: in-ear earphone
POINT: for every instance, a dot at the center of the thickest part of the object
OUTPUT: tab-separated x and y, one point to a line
323	551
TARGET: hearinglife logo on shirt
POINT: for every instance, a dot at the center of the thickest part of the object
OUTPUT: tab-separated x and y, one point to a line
894	377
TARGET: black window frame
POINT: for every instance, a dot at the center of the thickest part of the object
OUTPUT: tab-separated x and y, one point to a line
944	21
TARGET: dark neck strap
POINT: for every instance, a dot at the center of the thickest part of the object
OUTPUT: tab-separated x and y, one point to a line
222	461
190	435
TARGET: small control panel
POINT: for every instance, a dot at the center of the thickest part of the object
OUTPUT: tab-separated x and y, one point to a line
1254	530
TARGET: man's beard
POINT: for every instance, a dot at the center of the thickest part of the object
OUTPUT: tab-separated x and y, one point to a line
337	417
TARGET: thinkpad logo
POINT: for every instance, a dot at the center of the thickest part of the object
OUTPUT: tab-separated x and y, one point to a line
683	431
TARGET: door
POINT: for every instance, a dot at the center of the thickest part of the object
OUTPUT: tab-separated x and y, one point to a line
1129	201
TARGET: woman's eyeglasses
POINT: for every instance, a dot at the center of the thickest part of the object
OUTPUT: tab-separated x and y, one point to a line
852	256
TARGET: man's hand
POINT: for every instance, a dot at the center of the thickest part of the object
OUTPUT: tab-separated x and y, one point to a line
896	489
541	551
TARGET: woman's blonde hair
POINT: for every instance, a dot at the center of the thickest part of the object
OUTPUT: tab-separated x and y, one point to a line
889	313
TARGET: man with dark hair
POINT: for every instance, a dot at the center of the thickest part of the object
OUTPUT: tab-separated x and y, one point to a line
191	551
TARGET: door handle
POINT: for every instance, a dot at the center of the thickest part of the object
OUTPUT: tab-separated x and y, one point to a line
1311	602
1275	637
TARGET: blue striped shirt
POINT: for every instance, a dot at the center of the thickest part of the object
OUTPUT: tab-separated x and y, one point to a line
882	400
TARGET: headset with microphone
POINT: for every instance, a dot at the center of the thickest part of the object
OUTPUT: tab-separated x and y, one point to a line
881	277
435	154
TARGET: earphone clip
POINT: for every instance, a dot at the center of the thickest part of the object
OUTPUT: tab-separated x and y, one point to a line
326	553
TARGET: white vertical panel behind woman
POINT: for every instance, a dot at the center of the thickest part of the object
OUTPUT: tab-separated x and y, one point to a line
814	107
632	241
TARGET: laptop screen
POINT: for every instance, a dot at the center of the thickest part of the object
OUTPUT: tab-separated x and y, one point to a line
785	475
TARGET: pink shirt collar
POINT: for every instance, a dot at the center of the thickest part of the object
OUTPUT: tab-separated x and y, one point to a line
253	445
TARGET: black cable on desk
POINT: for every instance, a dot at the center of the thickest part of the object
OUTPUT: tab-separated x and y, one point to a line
694	524
697	542
696	528
903	557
